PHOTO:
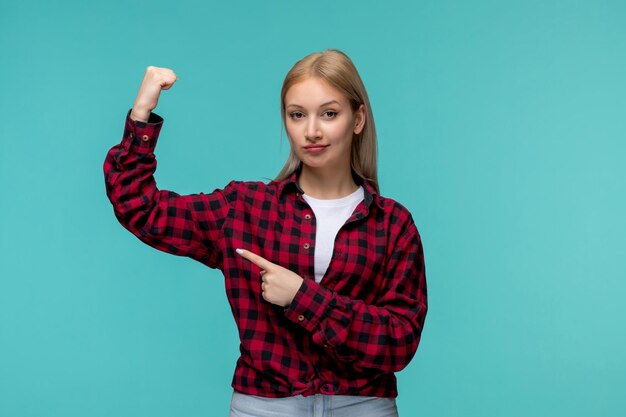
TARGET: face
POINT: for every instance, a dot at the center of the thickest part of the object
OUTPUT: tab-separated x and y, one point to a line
320	124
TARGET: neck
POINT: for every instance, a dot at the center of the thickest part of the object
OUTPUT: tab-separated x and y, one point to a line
326	185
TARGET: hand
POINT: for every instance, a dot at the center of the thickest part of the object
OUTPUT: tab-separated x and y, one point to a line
154	80
278	285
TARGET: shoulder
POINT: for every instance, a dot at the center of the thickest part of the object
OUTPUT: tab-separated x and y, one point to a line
398	217
394	208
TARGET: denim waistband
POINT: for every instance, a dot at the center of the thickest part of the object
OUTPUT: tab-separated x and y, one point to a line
243	405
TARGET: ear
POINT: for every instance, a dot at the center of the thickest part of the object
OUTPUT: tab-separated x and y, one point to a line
359	119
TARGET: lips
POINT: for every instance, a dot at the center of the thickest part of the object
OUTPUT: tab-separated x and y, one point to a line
315	148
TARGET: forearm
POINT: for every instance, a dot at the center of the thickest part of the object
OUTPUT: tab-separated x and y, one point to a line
371	336
129	168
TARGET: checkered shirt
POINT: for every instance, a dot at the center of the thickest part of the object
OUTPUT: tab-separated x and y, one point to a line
346	335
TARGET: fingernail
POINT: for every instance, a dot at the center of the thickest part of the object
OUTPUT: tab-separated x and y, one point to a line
239	251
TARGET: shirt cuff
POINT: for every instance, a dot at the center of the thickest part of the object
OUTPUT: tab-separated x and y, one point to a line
310	305
141	137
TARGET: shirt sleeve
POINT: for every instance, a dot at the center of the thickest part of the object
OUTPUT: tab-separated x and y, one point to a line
383	336
188	225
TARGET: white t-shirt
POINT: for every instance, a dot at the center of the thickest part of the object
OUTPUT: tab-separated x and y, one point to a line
330	215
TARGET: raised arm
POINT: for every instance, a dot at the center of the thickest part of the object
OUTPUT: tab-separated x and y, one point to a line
182	225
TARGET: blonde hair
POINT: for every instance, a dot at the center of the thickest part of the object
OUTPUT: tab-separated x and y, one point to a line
335	68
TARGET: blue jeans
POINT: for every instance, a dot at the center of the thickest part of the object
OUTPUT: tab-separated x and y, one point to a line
319	405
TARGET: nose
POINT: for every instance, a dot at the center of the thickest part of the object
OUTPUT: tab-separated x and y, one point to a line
313	132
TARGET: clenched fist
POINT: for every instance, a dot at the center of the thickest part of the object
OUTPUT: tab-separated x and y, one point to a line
154	80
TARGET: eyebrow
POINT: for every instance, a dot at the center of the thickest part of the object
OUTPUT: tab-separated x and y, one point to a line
321	105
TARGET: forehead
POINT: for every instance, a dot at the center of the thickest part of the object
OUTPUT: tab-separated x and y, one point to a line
313	92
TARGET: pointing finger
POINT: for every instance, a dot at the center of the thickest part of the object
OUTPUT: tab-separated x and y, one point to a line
255	259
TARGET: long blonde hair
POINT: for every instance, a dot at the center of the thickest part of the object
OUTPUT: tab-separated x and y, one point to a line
335	68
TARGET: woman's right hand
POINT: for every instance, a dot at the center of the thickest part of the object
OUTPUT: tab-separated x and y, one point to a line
154	80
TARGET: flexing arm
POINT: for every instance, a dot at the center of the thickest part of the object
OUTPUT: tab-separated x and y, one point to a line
182	225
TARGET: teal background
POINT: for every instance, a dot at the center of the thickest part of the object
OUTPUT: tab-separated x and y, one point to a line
501	127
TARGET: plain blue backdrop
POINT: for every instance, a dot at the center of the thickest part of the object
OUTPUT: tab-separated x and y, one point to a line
501	127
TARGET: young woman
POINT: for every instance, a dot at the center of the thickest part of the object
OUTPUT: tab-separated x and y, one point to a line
325	277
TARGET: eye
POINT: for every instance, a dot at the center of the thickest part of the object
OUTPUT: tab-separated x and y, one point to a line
330	114
296	115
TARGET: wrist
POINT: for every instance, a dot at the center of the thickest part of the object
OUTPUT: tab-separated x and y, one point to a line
140	114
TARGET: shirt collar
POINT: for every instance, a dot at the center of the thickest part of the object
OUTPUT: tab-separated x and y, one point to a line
370	194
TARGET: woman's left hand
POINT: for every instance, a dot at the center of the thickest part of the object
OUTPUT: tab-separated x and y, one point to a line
278	285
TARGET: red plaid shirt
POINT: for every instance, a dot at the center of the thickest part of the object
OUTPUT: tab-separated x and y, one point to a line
346	335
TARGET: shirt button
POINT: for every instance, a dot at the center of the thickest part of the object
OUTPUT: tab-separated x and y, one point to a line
307	217
300	317
145	138
306	246
131	135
